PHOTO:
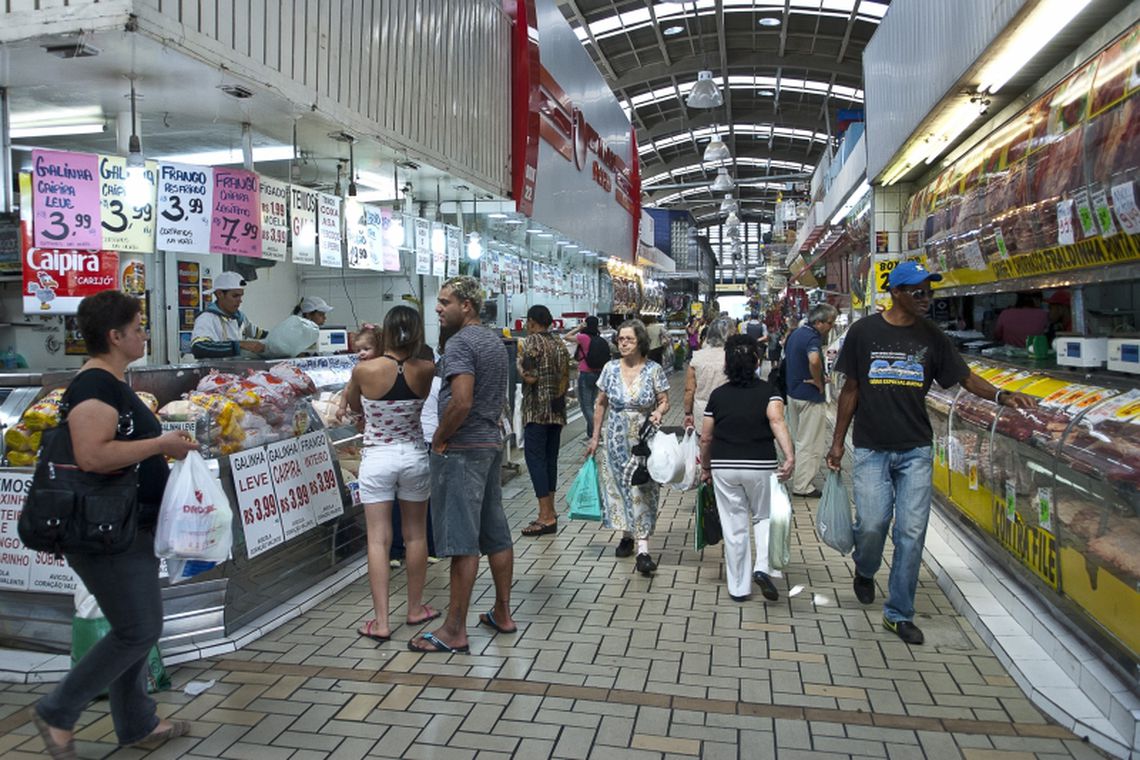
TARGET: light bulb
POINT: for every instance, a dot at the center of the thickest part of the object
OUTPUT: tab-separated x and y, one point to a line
395	234
717	150
474	246
139	186
705	93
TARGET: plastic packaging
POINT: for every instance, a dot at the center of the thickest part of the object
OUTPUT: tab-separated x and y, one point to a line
584	496
665	464
690	455
833	519
290	337
195	520
780	526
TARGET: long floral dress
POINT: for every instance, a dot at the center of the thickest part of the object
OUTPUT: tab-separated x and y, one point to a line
627	508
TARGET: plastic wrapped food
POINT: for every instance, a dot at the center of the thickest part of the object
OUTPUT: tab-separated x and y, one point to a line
244	394
149	399
43	414
21	458
217	381
296	378
20	438
226	413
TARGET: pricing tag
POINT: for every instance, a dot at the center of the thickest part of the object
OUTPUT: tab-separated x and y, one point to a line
303	212
127	205
374	221
235	224
972	473
974	254
1124	201
257	502
185	205
438	249
319	469
999	239
65	200
328	227
1103	212
1010	500
1065	234
15	558
274	219
454	236
423	245
1045	508
291	486
1085	213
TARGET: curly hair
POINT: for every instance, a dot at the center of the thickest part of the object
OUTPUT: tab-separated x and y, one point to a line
640	332
741	358
466	289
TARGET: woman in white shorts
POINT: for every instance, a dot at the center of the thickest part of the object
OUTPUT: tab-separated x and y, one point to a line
389	391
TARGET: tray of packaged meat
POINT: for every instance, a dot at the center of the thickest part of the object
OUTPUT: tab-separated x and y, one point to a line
1103	537
975	410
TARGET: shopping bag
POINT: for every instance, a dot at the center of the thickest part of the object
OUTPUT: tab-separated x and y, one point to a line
708	531
690	455
195	520
584	496
86	632
665	463
780	526
290	337
833	519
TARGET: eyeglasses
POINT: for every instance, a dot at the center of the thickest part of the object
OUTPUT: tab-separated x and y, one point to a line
919	294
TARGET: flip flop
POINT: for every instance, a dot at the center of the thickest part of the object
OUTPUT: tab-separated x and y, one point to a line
437	645
488	618
537	528
368	634
434	614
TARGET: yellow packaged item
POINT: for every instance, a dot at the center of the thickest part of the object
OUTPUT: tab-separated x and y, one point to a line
19	438
43	414
148	399
21	458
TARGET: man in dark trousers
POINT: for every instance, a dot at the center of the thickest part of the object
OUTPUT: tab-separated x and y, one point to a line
889	360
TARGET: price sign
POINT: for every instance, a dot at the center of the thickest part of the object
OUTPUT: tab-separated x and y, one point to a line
185	203
1045	508
303	212
883	271
1084	213
50	575
1124	201
392	237
257	501
356	225
374	221
127	205
454	238
1103	212
274	219
235	226
1010	500
317	464
15	558
438	249
1065	232
292	487
65	200
328	225
423	245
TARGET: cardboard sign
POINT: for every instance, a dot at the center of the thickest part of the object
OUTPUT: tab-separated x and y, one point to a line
317	465
291	486
185	205
328	226
303	212
235	226
65	200
1124	202
274	219
127	205
356	229
15	558
56	280
257	501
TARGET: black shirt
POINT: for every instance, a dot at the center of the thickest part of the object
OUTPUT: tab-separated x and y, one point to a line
894	367
742	438
101	385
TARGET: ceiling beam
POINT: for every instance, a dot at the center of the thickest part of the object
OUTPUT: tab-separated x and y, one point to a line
784	28
794	117
650	168
660	39
723	46
741	63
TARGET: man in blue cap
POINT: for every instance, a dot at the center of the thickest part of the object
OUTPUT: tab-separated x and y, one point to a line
889	361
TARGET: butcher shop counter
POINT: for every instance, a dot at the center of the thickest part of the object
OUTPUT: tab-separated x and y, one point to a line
290	482
1055	490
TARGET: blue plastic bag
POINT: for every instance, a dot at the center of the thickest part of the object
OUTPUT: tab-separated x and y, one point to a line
584	496
833	520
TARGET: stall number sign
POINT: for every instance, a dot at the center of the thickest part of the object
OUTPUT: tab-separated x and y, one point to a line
22	568
257	501
293	498
883	271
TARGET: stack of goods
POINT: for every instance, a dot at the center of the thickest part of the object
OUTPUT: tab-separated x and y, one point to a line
22	440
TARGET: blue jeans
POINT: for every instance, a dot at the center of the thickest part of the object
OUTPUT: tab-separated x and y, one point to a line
540	449
587	397
892	484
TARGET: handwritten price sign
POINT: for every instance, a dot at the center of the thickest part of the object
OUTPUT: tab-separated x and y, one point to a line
274	219
185	205
257	501
235	225
318	469
292	487
65	192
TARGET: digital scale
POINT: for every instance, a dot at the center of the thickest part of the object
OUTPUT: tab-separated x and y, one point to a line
332	340
1124	355
1080	351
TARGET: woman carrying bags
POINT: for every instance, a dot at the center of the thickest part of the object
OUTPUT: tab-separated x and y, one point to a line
631	390
743	420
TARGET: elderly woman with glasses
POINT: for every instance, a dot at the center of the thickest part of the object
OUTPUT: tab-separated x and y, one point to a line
706	371
631	390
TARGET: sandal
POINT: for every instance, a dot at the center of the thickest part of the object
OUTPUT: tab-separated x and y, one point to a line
177	728
436	645
537	528
433	614
56	751
368	634
488	618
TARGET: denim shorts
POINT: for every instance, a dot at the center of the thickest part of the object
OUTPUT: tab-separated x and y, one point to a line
394	471
467	502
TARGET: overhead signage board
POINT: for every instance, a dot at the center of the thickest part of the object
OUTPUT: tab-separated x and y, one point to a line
185	206
235	227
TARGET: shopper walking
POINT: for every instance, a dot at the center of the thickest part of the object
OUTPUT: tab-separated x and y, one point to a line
741	421
112	429
889	361
631	390
756	329
806	399
544	367
658	339
592	353
693	334
705	372
466	460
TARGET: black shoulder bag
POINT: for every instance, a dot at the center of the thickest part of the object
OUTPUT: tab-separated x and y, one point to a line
71	511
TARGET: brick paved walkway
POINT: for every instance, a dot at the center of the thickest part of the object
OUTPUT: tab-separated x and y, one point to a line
607	664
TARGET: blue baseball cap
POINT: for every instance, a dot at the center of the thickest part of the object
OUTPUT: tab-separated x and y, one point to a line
911	273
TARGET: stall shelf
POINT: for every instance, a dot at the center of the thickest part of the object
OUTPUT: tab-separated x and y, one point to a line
221	600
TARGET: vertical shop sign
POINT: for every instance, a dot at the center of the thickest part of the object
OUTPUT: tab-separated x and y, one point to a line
303	212
328	225
15	558
292	487
317	464
391	237
438	249
1124	202
235	227
356	228
55	281
274	219
374	224
423	245
1065	235
257	502
185	205
127	206
454	246
66	200
1103	212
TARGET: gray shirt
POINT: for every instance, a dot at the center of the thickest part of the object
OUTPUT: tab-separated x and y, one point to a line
478	351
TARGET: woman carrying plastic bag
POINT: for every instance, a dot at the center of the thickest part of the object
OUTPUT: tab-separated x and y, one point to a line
195	521
584	497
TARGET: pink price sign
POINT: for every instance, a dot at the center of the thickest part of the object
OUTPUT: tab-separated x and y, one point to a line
235	225
65	200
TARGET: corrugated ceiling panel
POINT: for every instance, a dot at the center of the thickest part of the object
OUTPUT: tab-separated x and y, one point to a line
920	50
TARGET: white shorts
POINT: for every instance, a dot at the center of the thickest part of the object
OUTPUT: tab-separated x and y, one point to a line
395	471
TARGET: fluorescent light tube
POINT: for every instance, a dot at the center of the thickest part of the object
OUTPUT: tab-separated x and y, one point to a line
230	155
58	130
1034	32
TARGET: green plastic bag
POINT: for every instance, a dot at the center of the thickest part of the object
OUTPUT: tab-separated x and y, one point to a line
86	632
833	518
708	532
584	496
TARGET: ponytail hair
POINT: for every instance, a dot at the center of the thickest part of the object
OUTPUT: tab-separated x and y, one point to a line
403	330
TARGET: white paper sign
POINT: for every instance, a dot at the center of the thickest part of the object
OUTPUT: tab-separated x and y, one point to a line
356	227
454	247
392	237
51	575
1065	234
185	205
973	254
1124	201
423	246
257	501
373	220
438	249
15	558
274	219
292	489
303	210
328	224
318	468
1103	212
1084	213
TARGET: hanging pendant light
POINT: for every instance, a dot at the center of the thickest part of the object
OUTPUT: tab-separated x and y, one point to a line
705	93
732	221
716	150
138	186
722	183
728	204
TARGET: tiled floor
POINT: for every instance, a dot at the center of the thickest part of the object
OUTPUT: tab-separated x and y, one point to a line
606	664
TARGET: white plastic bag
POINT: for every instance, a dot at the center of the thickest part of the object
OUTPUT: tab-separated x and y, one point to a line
690	455
86	606
195	520
780	527
290	337
665	464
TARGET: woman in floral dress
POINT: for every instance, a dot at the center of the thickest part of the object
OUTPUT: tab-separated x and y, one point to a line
630	389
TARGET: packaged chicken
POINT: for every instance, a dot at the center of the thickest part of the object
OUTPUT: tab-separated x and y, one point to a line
148	399
226	413
296	377
217	382
20	438
21	458
43	414
243	393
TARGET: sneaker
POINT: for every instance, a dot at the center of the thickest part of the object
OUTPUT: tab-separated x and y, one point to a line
624	548
767	588
814	493
905	630
645	564
393	563
864	589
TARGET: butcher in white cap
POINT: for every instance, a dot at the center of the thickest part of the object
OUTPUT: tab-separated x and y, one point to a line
313	309
221	330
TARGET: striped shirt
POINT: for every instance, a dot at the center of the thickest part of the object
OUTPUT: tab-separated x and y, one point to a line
742	438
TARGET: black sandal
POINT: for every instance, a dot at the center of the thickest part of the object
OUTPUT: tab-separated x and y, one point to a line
537	528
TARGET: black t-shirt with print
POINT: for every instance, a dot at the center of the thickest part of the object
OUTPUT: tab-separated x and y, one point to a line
894	367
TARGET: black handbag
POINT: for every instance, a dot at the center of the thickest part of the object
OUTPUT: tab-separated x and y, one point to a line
71	511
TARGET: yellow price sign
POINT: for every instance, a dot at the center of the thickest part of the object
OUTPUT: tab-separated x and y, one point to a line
883	270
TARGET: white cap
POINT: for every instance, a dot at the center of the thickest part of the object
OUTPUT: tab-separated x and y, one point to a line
228	281
312	303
